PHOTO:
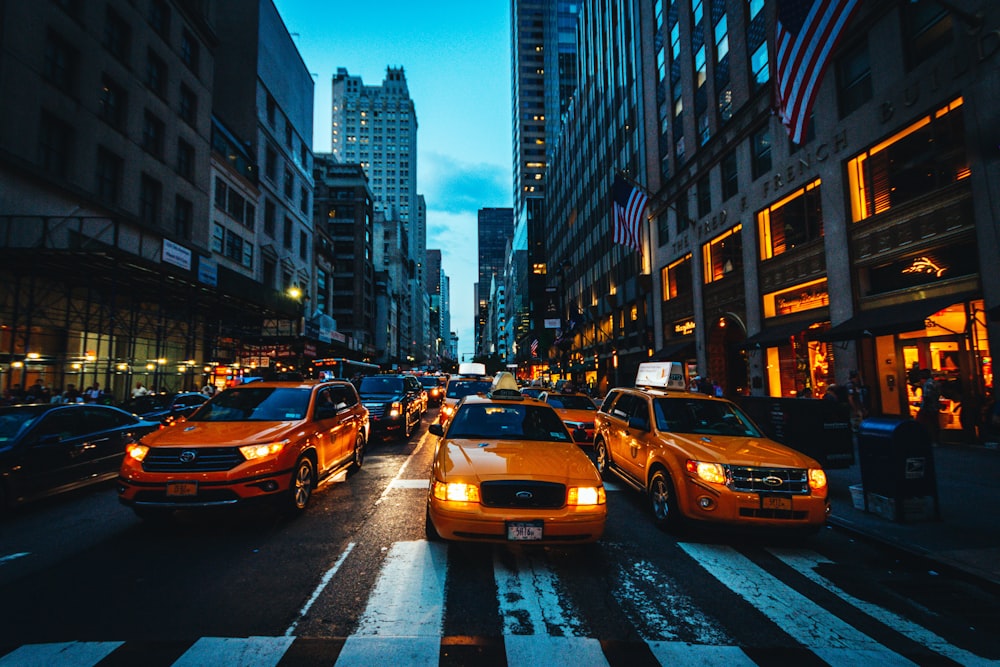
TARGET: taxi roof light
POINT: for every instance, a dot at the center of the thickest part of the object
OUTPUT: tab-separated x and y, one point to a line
505	387
661	375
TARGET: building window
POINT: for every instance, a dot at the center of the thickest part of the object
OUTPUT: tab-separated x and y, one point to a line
156	73
730	179
270	216
271	163
159	18
108	176
272	111
183	217
185	159
218	238
189	51
117	35
758	67
303	245
304	200
683	214
704	196
289	183
286	237
795	220
111	103
153	131
927	155
760	152
150	200
55	145
269	272
220	194
188	105
723	255
288	134
677	279
854	78
663	228
927	30
59	66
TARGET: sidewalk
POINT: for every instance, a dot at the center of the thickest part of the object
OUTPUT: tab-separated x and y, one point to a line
967	536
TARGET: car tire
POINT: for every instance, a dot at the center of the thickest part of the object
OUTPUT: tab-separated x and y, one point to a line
663	502
602	458
429	530
407	427
301	487
358	458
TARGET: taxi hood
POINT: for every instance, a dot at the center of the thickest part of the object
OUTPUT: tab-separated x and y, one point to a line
741	451
220	434
551	461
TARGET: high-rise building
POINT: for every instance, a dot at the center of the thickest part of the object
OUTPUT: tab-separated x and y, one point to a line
495	226
376	126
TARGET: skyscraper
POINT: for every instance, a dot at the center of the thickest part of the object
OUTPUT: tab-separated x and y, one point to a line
495	229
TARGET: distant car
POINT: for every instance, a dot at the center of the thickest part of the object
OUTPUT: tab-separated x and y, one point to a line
261	441
48	449
165	408
533	391
471	379
507	470
435	385
395	404
576	410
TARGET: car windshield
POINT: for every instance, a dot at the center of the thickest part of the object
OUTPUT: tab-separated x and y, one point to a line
460	388
507	422
429	382
704	417
570	402
259	404
15	420
380	385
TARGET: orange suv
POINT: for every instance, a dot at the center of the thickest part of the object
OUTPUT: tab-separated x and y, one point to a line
266	440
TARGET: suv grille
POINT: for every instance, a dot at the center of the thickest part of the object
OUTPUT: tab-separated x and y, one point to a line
792	481
526	494
375	409
207	459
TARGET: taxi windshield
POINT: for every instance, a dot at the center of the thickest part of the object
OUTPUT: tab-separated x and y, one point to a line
703	417
260	404
508	422
571	402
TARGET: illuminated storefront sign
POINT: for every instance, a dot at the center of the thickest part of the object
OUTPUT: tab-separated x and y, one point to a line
806	296
684	328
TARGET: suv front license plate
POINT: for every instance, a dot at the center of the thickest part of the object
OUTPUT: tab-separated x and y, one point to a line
524	531
182	489
775	503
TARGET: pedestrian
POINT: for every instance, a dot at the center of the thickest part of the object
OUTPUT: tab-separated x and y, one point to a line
857	398
805	393
72	394
929	413
208	390
831	393
139	390
93	393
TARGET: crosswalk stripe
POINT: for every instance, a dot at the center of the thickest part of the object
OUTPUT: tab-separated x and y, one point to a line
529	601
407	603
235	652
829	637
683	654
805	563
81	654
534	650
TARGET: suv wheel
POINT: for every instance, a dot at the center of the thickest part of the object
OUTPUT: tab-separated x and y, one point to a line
359	453
602	458
300	490
663	502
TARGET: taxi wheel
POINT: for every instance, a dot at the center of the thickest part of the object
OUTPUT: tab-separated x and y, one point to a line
602	458
300	491
359	453
663	502
432	534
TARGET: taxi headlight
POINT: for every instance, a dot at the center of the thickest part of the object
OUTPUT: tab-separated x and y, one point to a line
136	451
448	410
707	472
456	491
817	478
251	452
586	495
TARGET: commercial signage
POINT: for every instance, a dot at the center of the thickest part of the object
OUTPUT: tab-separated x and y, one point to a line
176	254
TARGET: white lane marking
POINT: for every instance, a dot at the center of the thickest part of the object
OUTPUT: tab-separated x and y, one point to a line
823	633
319	589
10	557
534	650
235	652
79	654
402	467
805	563
410	484
649	598
683	654
529	601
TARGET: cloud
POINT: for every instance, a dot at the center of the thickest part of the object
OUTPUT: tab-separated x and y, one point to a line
450	185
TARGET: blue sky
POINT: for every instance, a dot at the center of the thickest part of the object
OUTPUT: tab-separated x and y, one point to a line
457	60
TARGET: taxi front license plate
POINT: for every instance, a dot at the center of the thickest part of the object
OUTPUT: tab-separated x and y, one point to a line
521	531
775	503
182	489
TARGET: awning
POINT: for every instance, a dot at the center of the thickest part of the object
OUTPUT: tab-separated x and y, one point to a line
897	318
680	349
779	333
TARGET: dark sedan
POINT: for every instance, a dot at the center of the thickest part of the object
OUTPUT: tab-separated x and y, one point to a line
48	449
166	408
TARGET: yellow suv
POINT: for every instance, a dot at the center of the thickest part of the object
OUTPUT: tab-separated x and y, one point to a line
701	458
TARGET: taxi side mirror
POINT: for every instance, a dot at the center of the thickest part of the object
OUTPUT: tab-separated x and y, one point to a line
436	429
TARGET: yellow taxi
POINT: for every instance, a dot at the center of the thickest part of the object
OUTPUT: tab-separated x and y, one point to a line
577	410
507	470
701	458
271	441
470	379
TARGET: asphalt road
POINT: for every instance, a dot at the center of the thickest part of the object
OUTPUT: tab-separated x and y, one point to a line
353	582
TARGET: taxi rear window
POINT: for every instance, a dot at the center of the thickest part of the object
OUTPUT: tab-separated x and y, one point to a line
507	422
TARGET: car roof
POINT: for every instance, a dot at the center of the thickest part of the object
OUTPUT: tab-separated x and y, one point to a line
290	384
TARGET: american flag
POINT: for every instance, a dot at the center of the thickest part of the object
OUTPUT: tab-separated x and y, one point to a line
534	348
629	206
806	34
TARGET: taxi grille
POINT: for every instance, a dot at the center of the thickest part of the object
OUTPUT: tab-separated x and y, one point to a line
792	481
206	459
523	494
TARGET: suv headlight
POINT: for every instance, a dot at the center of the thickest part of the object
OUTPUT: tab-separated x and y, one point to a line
817	478
136	451
707	472
252	452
